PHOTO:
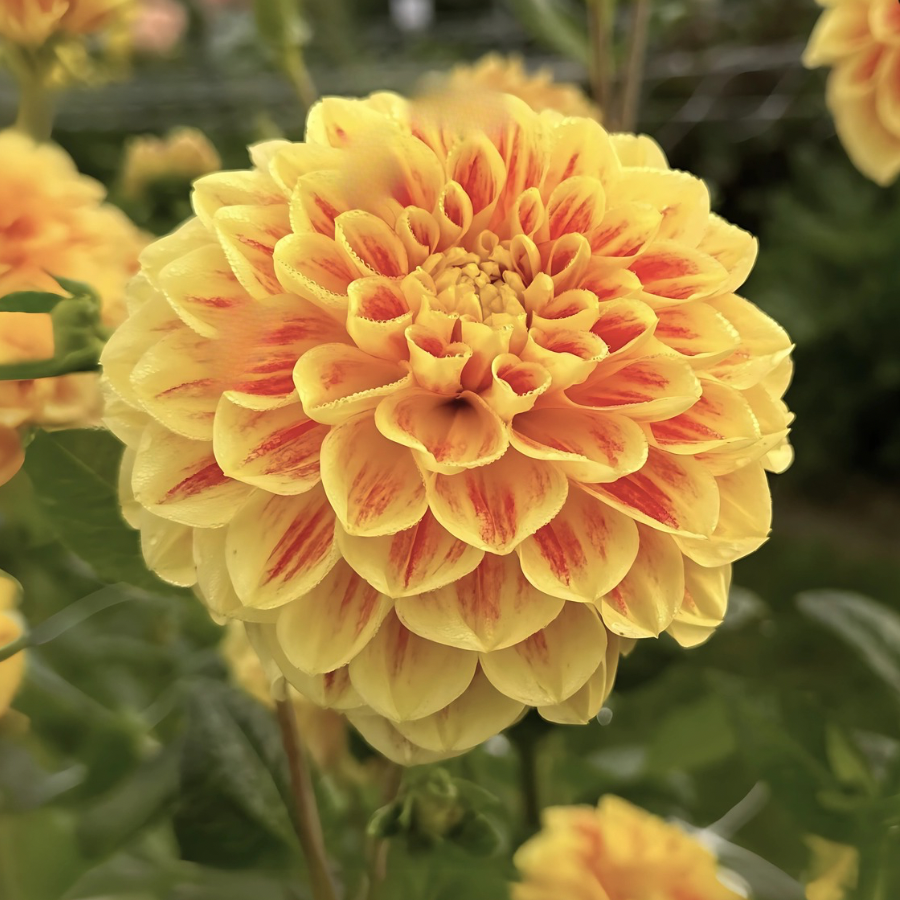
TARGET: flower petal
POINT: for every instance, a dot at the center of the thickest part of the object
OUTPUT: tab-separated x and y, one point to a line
371	244
732	247
745	519
422	558
276	449
583	553
697	332
179	479
624	326
491	608
382	735
378	317
373	486
402	676
671	273
579	146
647	390
672	494
248	235
515	385
551	665
584	444
576	205
315	267
646	600
496	507
327	627
587	701
279	548
167	549
704	605
478	714
448	433
336	382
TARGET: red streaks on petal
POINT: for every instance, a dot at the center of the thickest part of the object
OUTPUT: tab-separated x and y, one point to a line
640	493
306	541
209	476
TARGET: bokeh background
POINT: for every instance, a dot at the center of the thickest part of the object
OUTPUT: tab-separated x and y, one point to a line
774	730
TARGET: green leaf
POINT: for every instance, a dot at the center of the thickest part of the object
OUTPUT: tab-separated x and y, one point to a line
122	812
75	477
30	302
559	25
233	806
868	627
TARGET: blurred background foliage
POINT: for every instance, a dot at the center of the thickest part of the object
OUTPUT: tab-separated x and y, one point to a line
130	770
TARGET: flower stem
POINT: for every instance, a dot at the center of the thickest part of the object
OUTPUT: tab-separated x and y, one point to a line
36	100
306	818
634	67
298	74
601	14
17	646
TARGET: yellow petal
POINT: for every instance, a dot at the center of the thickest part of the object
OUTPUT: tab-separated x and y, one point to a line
219	190
625	233
568	356
576	205
731	246
279	548
670	493
671	273
275	449
336	382
587	701
585	444
422	558
168	549
491	608
315	267
402	676
697	332
838	33
624	326
579	146
248	235
213	581
436	365
370	244
448	433
384	737
478	714
326	628
639	150
179	479
646	600
378	317
515	386
317	199
704	605
496	507
745	518
583	553
478	168
372	484
551	665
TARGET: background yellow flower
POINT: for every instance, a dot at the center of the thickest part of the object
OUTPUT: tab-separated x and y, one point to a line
33	22
12	670
834	869
615	851
53	223
860	40
445	405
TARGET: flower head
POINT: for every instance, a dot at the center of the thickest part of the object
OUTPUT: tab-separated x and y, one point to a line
53	223
13	669
183	155
33	22
859	39
507	75
834	869
446	406
616	850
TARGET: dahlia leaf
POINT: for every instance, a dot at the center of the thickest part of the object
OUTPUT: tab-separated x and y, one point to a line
868	627
75	474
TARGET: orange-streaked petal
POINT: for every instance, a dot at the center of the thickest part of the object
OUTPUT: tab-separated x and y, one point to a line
373	486
515	386
326	628
403	676
588	700
625	233
698	332
579	146
436	365
576	205
644	603
551	665
732	247
315	267
275	449
448	433
370	244
585	444
279	548
583	553
704	605
624	326
336	382
378	317
496	507
671	273
491	608
422	558
248	235
673	494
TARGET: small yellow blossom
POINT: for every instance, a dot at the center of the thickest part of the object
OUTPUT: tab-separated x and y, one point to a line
32	22
615	852
507	75
11	629
183	154
858	39
53	221
834	869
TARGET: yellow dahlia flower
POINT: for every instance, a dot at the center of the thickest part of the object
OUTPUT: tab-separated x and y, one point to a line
615	851
184	154
12	670
32	22
52	221
834	868
323	731
507	75
860	40
444	408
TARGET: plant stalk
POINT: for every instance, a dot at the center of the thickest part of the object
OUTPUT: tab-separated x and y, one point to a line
298	74
634	67
306	819
601	15
36	101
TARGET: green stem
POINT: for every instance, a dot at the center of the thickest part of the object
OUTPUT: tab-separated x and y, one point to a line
36	101
306	820
298	74
17	646
634	68
528	778
601	16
